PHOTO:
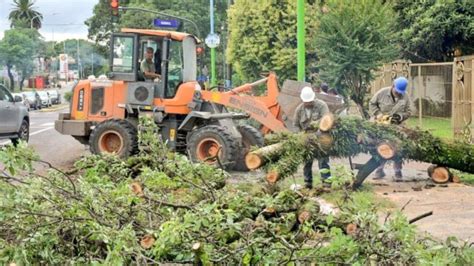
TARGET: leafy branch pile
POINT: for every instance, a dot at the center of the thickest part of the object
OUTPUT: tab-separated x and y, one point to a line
157	207
351	136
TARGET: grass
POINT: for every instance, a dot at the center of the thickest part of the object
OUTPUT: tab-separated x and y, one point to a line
439	127
466	178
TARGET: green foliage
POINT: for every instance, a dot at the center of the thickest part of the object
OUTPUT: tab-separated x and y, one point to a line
355	38
18	48
448	25
157	207
25	11
68	96
263	38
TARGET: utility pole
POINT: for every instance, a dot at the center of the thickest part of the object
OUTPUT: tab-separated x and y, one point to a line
78	60
228	68
213	49
301	40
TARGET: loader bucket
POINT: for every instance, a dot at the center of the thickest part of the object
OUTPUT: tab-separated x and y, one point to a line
289	99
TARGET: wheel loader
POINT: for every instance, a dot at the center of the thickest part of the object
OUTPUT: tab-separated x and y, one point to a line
104	113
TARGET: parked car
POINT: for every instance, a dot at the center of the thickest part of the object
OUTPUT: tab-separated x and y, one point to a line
24	100
14	118
45	99
55	96
34	99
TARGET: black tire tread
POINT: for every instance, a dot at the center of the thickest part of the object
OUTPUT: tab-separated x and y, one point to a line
230	142
15	141
131	135
255	138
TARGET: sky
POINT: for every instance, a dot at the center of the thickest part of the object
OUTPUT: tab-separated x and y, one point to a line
62	19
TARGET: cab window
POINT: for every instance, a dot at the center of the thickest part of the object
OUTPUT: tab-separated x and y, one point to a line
175	69
123	54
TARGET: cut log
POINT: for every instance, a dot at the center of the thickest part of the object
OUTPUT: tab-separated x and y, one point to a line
456	179
439	174
326	140
309	210
272	177
386	150
147	241
257	158
327	122
351	229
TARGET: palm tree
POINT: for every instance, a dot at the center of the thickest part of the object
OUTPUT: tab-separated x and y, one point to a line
23	10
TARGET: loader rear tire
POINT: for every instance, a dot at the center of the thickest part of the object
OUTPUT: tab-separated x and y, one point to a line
114	136
213	145
250	137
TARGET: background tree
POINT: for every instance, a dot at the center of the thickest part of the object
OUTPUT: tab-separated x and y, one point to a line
100	24
17	48
25	10
354	39
448	25
263	37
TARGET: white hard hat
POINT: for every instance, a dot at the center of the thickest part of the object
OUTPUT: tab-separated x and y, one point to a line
307	94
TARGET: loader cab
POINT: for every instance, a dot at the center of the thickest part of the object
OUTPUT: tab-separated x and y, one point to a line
175	58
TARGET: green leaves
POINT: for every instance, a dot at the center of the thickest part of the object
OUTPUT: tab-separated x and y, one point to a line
354	39
263	38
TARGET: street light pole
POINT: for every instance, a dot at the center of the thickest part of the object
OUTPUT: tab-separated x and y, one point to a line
213	50
31	22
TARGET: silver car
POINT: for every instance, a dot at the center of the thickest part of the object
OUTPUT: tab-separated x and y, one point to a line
14	117
34	99
45	99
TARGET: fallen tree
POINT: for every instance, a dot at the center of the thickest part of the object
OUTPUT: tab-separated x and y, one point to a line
350	136
158	208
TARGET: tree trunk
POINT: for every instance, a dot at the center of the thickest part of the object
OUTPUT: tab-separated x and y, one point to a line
439	174
21	82
351	136
10	76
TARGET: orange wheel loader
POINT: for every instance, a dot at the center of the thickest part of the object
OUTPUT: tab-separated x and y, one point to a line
104	113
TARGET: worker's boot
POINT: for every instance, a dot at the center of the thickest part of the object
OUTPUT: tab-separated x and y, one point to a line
308	185
379	174
398	176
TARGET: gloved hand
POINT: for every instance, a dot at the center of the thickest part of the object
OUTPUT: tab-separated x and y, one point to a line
382	119
396	119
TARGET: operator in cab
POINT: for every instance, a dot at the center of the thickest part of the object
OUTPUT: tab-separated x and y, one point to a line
147	66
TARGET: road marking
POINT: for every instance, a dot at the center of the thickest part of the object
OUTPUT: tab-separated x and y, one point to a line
47	124
31	134
40	131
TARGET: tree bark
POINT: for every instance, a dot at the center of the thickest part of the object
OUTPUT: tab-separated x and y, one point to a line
10	76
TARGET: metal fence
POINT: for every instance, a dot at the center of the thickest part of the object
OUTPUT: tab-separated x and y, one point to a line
441	94
431	97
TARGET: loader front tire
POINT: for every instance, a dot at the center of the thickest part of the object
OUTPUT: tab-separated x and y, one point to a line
115	136
250	137
213	145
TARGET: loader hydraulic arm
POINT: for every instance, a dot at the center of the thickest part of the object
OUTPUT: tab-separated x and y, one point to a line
264	109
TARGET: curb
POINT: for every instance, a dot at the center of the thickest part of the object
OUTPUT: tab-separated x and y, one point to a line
55	108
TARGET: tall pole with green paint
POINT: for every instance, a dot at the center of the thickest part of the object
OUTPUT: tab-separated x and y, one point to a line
301	40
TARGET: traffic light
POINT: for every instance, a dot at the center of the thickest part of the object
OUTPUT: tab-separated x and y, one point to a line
114	9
